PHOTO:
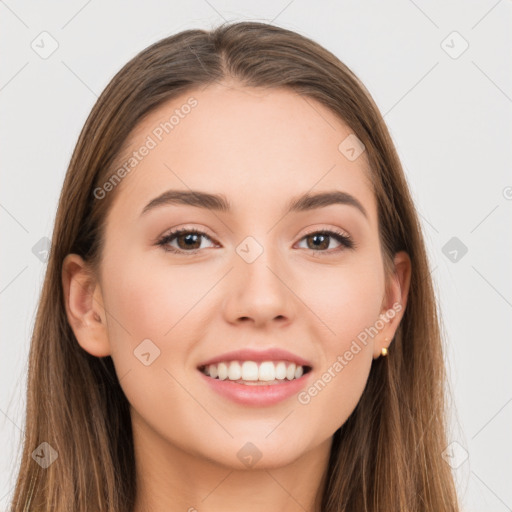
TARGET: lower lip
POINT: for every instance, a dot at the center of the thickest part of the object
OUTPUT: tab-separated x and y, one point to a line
257	395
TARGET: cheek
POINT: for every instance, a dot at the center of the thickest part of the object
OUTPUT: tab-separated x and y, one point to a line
337	389
155	303
151	300
347	300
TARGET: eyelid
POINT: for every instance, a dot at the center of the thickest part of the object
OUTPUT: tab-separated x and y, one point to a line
172	231
320	230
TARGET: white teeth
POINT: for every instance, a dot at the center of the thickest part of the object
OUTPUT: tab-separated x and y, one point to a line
234	371
213	371
249	370
280	371
267	371
222	369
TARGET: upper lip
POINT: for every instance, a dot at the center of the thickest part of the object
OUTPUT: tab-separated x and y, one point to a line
270	354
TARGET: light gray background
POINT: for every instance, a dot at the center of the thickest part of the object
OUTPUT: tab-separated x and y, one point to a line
449	118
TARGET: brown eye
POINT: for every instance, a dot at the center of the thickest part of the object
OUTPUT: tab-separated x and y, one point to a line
188	241
319	241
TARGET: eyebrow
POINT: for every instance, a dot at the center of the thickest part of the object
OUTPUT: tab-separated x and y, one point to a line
219	202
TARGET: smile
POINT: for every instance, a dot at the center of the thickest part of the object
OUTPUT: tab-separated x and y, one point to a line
256	384
253	373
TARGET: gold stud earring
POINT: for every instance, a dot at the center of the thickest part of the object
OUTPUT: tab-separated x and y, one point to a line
384	351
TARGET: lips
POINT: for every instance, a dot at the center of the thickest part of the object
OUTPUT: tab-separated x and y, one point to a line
271	354
257	394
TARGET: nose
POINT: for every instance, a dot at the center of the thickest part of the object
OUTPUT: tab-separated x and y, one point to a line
259	292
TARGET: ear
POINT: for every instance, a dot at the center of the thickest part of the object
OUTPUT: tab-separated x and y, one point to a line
395	301
84	306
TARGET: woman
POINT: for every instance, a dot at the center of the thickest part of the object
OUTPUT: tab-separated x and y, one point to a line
238	311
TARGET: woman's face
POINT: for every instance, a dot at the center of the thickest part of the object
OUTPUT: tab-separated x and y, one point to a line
259	276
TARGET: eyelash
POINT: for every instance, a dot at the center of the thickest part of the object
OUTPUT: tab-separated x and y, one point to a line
345	240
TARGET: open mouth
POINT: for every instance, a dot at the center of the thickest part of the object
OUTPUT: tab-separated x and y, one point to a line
252	373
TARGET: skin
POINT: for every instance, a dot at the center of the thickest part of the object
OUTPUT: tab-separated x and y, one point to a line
259	149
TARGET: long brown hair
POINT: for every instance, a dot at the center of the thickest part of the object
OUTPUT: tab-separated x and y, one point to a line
388	455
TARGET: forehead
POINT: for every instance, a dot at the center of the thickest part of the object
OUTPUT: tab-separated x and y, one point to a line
256	146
